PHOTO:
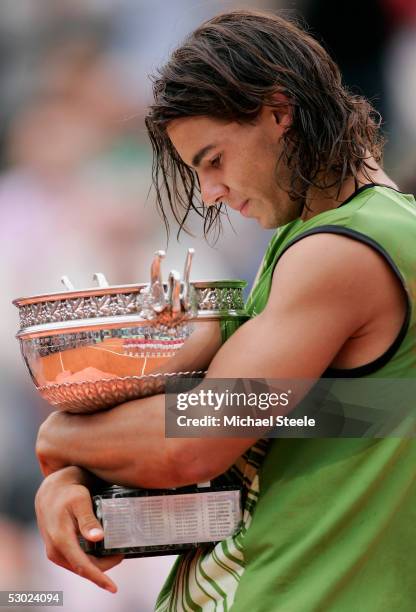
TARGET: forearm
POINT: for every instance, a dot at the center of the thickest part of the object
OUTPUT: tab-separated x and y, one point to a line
125	445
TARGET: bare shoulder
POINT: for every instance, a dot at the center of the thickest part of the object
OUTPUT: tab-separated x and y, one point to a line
337	274
327	289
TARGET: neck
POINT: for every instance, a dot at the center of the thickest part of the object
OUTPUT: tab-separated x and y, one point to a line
321	200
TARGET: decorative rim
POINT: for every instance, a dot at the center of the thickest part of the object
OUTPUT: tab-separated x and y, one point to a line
46	314
86	325
119	289
195	373
92	395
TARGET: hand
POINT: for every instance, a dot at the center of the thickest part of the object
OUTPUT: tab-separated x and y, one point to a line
50	443
64	510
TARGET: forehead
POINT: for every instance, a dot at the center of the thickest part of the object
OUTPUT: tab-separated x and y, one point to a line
194	125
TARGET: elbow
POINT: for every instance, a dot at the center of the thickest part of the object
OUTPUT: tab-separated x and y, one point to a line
191	465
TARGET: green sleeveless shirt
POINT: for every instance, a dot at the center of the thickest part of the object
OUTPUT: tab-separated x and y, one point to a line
329	524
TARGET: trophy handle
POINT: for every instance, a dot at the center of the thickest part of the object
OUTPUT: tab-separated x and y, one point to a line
156	283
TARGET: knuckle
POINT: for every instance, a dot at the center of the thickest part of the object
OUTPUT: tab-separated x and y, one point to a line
59	541
80	499
52	554
87	521
43	437
79	494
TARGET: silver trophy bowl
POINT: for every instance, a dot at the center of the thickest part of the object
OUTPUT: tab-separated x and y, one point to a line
92	349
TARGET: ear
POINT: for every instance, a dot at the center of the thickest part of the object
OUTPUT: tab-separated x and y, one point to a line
282	110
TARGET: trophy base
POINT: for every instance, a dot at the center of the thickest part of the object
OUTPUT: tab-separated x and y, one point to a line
147	523
136	552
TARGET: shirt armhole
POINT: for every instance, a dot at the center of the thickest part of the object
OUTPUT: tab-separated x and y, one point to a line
382	360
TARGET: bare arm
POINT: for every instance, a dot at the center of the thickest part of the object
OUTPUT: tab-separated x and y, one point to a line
312	311
197	351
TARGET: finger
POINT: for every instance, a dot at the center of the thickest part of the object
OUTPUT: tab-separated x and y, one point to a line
81	563
56	557
88	524
61	555
103	563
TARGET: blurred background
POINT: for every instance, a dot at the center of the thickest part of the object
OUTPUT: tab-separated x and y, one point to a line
74	180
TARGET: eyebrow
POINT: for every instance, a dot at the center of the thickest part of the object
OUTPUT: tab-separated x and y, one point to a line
197	158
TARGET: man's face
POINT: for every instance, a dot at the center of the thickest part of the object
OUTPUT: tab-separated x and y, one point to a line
236	164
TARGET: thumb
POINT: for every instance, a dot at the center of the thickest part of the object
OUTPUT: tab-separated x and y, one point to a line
88	524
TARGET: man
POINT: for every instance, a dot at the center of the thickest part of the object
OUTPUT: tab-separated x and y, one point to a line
251	112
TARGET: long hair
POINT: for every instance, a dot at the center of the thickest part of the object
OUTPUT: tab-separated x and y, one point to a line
228	69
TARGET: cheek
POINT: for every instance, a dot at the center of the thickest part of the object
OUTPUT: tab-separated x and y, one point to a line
241	175
252	171
264	164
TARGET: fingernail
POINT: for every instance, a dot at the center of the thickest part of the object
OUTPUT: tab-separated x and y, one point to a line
94	533
111	589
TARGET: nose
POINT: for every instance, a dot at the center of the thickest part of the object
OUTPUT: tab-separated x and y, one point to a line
212	192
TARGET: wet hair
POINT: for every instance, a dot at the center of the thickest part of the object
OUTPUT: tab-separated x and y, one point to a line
230	67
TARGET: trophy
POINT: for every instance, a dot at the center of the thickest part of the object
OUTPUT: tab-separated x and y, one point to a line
93	349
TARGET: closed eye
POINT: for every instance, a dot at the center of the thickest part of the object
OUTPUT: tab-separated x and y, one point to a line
216	161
